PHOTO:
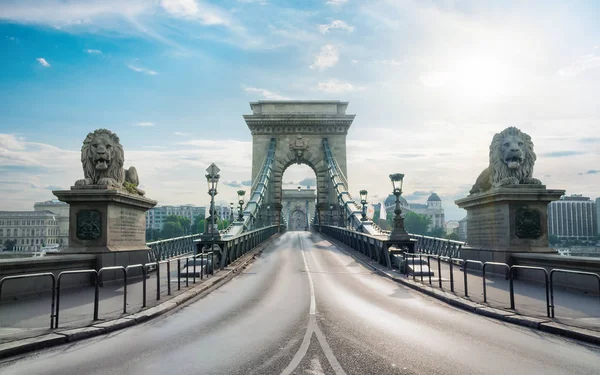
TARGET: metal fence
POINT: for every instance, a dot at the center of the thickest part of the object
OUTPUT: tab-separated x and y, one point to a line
447	251
178	250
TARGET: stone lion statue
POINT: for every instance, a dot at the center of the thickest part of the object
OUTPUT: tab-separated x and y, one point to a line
102	158
511	161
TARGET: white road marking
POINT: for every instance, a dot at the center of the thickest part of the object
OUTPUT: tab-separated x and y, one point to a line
310	329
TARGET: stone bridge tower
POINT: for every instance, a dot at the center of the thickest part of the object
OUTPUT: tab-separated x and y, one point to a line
299	128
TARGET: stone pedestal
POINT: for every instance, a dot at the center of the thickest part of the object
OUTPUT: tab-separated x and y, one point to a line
106	222
510	219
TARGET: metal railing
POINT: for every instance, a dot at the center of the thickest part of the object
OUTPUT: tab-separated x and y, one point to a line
377	249
173	247
30	276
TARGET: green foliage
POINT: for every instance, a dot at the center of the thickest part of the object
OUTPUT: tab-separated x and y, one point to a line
184	223
416	223
553	239
171	229
130	188
453	236
153	235
438	232
10	245
198	226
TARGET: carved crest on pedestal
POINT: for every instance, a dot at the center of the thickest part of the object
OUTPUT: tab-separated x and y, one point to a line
299	145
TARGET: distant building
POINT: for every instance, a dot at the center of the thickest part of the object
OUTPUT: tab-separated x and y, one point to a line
433	209
573	217
597	216
30	230
155	217
61	210
462	229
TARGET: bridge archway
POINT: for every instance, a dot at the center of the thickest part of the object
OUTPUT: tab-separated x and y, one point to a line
298	128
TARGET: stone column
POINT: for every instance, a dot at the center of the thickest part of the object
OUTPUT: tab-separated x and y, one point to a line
506	220
110	223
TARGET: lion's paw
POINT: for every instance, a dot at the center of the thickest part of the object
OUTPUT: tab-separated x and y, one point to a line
532	181
82	182
107	181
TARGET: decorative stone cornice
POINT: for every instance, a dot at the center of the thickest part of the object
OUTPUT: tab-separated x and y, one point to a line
304	124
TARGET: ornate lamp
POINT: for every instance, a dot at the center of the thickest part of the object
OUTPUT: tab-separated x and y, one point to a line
212	179
231	212
363	201
241	194
398	232
269	222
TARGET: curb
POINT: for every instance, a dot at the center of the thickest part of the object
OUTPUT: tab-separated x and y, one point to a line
542	324
59	337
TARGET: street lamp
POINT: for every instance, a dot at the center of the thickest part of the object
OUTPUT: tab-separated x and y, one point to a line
231	212
363	201
398	232
299	188
269	215
212	179
241	194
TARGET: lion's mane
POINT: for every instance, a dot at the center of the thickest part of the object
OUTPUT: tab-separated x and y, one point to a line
499	169
115	170
498	173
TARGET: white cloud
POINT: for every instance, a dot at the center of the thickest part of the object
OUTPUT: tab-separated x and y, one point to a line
328	57
266	93
392	62
144	124
335	86
29	169
354	61
93	51
580	65
435	79
43	62
205	13
335	24
181	134
336	2
142	70
59	13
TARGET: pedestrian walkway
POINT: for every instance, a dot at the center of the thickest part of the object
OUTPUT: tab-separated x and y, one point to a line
30	316
573	308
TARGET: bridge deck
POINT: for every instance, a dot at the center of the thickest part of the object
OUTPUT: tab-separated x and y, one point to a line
305	306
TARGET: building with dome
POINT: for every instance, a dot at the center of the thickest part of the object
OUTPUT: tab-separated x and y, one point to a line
433	209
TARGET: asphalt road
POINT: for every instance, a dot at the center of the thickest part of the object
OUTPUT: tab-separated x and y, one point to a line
337	318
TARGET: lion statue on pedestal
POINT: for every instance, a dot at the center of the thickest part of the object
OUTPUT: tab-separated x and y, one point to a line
102	158
511	162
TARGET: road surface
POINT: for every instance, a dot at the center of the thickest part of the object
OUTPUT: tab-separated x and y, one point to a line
307	307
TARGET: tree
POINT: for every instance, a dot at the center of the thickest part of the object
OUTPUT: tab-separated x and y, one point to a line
152	234
436	232
553	239
10	245
198	226
171	229
184	222
453	236
416	223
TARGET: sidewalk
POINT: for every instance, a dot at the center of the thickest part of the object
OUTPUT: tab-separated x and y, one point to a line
30	316
572	308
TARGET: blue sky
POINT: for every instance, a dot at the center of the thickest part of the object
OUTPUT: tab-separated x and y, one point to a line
430	83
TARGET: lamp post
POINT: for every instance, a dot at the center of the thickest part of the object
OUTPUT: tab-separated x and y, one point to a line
363	201
231	212
398	232
331	214
241	194
269	222
212	179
